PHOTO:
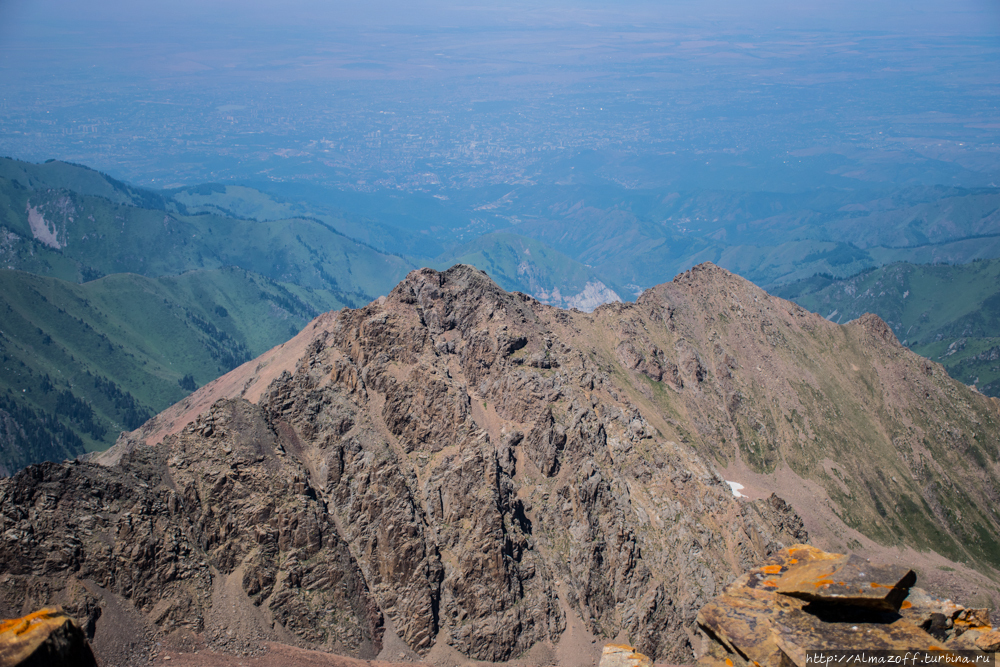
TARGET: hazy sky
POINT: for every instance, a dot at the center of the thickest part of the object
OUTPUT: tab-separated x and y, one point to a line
954	16
148	89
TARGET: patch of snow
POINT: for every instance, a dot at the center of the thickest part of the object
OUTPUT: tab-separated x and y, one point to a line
736	486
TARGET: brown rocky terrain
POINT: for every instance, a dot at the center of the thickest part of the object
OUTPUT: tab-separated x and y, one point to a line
807	600
455	472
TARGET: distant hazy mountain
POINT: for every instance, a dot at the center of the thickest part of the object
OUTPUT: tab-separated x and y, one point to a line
248	203
645	238
950	314
638	238
518	263
77	236
162	309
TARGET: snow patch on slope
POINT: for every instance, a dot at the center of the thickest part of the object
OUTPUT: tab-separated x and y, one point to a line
736	486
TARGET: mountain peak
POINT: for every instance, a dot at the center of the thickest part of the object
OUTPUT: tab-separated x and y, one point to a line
478	466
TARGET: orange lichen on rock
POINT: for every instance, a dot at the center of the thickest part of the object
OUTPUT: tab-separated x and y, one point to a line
831	602
989	641
848	579
45	637
974	619
623	655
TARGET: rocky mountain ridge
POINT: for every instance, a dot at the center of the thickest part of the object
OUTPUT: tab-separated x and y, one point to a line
463	469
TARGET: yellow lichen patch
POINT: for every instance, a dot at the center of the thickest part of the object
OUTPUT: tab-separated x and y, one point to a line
808	553
21	625
21	637
771	569
906	604
618	648
623	655
771	582
729	663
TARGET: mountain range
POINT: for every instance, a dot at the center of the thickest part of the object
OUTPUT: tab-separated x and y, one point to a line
88	260
455	471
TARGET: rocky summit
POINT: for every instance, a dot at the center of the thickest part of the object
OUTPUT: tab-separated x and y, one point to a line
458	468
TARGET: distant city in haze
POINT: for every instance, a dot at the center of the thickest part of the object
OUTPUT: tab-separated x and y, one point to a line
642	98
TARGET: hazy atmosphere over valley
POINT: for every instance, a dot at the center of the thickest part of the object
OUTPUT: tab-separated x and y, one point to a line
448	333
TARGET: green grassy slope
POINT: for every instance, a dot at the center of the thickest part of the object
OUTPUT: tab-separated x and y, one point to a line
244	202
162	308
950	314
80	237
83	362
58	175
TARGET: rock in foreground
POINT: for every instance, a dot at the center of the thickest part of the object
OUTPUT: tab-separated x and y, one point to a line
622	655
45	638
808	600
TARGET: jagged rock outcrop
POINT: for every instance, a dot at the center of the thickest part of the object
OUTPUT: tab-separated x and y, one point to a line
176	530
44	638
806	599
461	465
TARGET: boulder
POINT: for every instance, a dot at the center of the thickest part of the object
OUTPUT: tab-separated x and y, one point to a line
845	580
989	641
806	599
44	638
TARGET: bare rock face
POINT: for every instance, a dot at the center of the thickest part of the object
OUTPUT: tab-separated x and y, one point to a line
462	464
465	454
805	599
171	528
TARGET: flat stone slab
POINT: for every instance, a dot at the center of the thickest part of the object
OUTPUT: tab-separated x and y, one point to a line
848	580
741	623
798	632
805	599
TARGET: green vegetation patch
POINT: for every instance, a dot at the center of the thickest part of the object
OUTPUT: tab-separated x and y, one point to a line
95	359
948	313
